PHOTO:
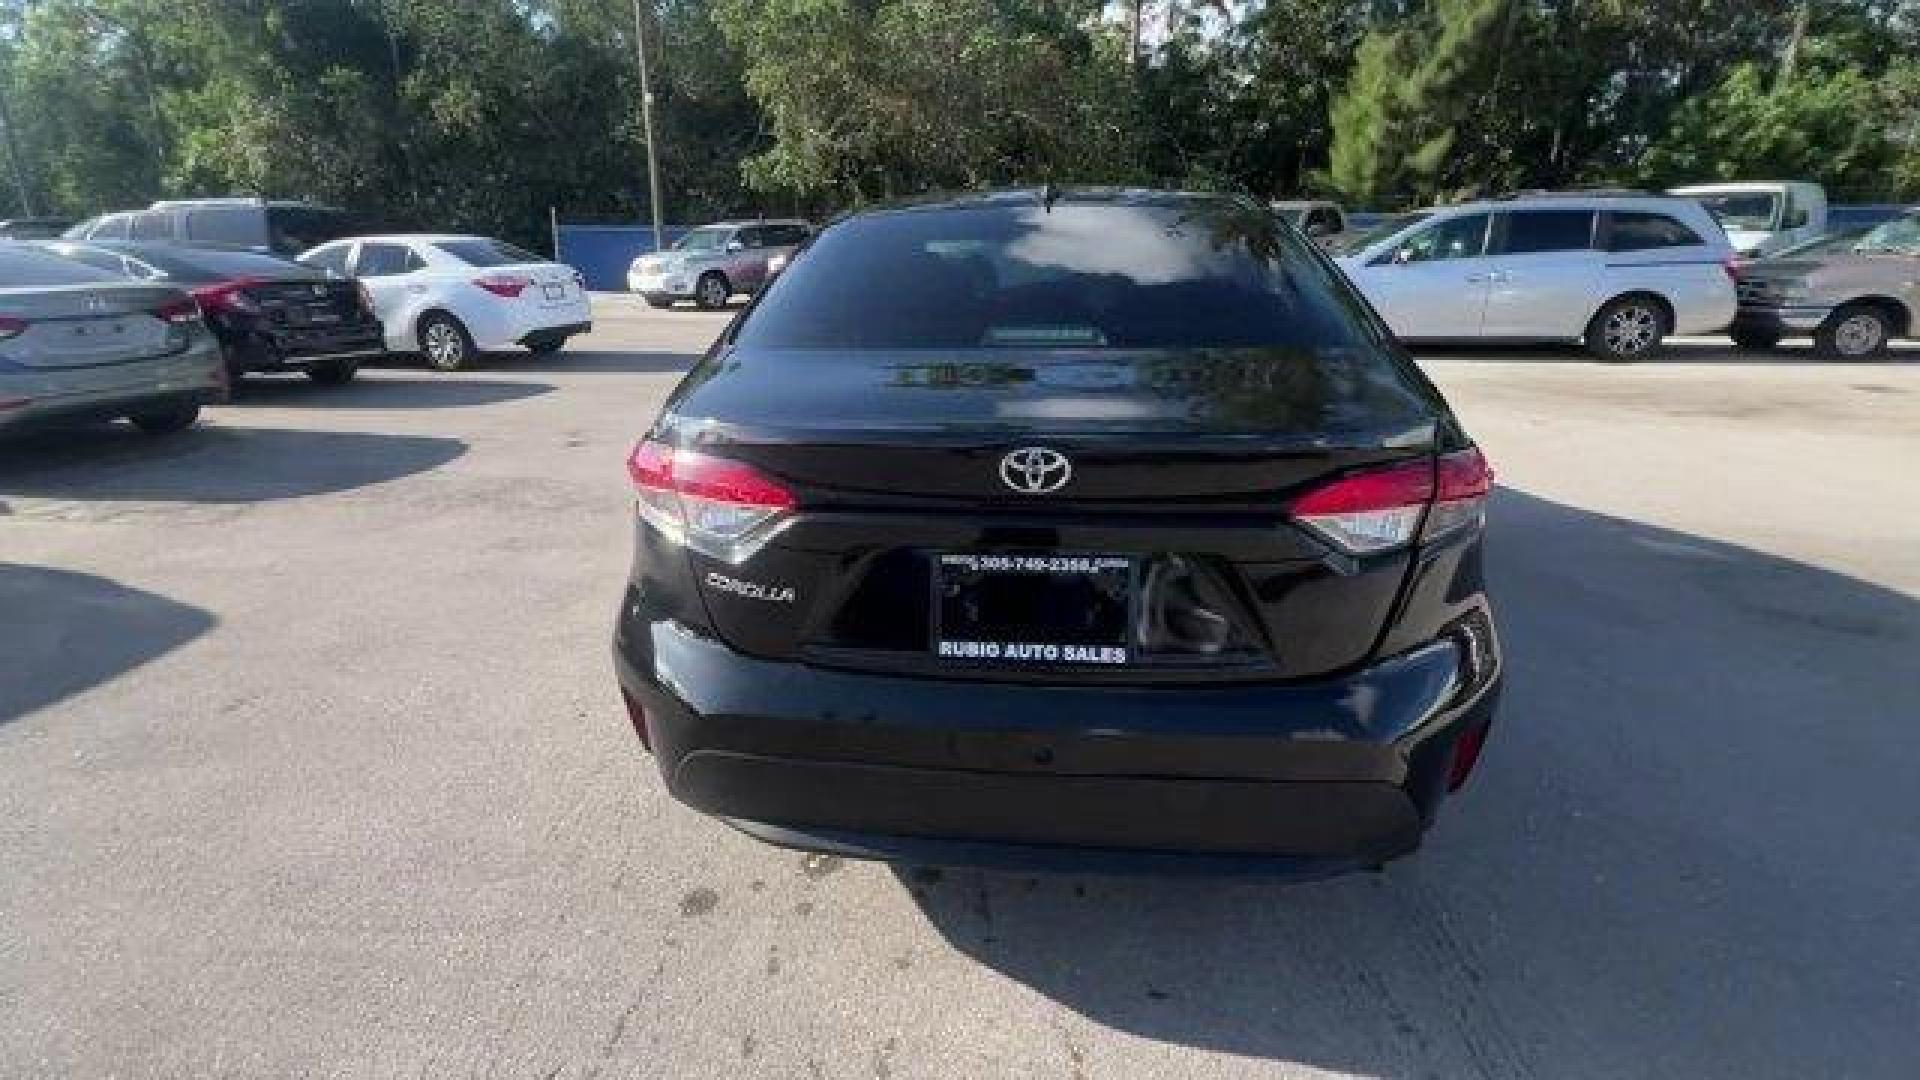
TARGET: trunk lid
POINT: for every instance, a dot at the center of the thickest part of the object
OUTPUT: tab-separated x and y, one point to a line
1172	429
1182	462
88	325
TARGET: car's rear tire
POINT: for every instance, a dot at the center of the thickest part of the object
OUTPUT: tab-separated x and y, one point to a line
445	342
1627	328
166	421
333	372
1855	332
1755	340
712	291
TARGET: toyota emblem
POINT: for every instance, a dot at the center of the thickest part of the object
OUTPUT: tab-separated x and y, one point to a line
1035	470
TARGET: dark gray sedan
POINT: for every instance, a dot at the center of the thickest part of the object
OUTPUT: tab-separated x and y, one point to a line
77	343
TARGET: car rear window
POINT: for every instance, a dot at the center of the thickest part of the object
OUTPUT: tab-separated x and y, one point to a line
26	268
487	252
1634	230
1182	273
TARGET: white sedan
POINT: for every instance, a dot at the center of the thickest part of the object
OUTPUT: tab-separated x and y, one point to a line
452	298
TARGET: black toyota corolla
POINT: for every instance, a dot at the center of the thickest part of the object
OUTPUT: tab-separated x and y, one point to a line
1057	527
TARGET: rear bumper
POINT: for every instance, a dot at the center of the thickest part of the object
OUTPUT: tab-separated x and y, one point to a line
297	348
1780	320
31	399
548	334
1304	779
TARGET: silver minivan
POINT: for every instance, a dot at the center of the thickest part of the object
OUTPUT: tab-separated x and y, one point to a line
77	343
713	262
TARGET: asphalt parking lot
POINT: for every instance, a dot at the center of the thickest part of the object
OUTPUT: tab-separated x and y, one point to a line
311	764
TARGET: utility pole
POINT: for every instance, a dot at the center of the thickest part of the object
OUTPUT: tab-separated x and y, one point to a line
646	124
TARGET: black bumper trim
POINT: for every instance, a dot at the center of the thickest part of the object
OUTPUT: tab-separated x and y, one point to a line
552	333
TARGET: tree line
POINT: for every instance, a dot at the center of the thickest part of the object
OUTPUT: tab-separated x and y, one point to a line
482	114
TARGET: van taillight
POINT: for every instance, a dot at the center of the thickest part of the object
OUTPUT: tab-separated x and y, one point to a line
1382	509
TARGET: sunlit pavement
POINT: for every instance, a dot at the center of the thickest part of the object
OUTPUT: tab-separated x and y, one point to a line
310	764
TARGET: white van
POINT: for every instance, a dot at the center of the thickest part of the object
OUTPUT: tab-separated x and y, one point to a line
1617	272
1763	216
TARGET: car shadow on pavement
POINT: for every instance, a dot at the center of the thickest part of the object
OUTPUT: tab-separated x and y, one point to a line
66	632
1690	851
212	463
381	392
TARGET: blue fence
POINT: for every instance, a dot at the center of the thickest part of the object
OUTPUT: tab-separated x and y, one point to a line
601	252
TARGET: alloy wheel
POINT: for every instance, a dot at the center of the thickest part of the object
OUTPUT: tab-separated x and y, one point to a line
1858	335
1632	330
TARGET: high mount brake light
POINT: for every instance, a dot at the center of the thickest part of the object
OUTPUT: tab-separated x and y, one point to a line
504	285
714	505
1381	509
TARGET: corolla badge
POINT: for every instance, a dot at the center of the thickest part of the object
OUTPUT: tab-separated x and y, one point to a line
1035	470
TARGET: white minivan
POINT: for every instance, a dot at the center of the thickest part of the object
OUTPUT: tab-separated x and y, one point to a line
1616	272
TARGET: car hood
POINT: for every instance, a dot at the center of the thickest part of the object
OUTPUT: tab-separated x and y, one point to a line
669	261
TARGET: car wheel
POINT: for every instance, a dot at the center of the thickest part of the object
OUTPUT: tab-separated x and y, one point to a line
1855	332
446	344
1627	329
1756	340
166	421
713	292
333	372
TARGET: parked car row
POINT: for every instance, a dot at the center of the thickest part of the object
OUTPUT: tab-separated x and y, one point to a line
1621	271
104	328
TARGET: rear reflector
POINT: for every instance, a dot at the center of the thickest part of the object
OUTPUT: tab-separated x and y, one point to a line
11	327
637	713
712	504
507	285
1382	509
1466	754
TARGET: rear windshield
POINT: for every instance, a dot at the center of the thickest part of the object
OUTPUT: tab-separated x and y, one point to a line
25	268
1187	273
195	265
487	252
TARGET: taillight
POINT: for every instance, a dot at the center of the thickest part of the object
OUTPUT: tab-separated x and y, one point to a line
226	296
1466	754
1732	268
712	504
182	310
507	285
1382	509
11	327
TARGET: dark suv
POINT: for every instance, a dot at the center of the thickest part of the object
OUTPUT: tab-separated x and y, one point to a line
1040	528
274	226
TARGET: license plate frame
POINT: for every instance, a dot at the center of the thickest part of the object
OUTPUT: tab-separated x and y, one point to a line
1026	609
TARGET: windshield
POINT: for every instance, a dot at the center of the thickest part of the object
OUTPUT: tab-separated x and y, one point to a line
1902	234
1188	273
1827	244
1348	243
1746	211
703	240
